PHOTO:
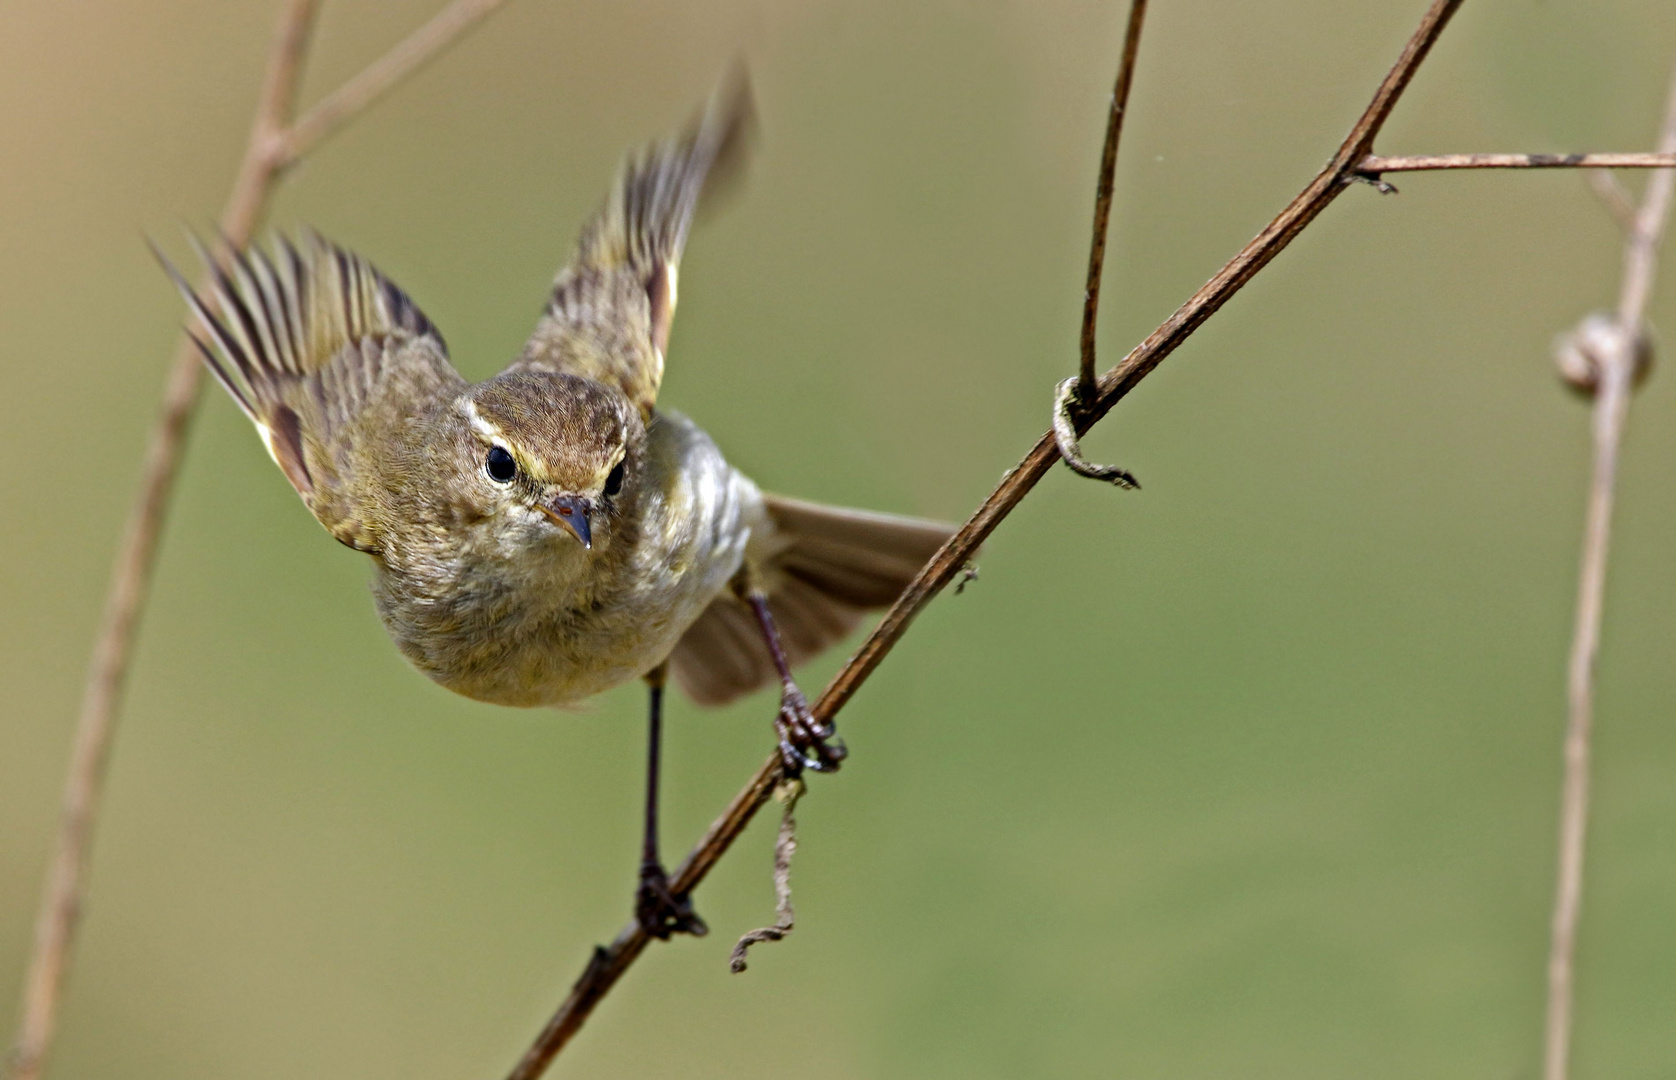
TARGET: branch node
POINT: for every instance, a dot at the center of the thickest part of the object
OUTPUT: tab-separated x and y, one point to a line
597	963
1066	400
271	147
1375	181
787	792
1598	341
968	574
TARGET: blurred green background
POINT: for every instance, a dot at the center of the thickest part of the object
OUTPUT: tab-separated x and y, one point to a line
1252	773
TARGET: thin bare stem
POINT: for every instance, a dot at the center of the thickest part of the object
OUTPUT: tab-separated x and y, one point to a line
61	902
785	846
1374	164
274	144
1615	360
1103	195
608	964
354	96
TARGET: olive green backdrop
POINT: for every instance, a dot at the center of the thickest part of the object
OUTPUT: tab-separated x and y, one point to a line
1251	773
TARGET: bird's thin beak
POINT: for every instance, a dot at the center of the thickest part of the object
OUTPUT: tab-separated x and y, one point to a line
572	514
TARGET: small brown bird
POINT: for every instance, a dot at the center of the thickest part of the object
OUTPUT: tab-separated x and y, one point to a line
551	532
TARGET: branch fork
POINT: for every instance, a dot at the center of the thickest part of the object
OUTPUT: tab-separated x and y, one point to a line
1068	409
1074	400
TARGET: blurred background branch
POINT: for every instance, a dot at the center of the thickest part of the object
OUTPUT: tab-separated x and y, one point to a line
1606	357
275	143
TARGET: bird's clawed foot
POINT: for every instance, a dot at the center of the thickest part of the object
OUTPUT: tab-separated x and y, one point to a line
662	913
805	744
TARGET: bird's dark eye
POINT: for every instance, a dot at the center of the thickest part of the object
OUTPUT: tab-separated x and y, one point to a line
500	466
614	482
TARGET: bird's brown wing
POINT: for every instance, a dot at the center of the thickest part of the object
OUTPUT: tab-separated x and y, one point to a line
829	565
327	357
612	305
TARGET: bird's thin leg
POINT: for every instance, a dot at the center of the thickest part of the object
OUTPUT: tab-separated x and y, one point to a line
660	912
804	744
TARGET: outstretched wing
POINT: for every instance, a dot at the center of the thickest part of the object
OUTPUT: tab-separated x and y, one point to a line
612	305
328	358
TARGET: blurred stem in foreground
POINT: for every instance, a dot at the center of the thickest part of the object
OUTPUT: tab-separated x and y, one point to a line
1606	356
277	141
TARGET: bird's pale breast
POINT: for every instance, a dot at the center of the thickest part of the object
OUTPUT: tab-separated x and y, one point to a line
562	624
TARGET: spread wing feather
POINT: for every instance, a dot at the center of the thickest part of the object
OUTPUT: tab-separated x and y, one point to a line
323	353
612	305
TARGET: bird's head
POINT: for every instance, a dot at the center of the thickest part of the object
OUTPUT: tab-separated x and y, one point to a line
552	457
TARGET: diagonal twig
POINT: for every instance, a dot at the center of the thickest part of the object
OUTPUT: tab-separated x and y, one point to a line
274	144
609	963
1614	351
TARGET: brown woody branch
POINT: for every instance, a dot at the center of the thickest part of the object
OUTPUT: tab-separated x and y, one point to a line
608	964
1374	164
1072	394
1607	356
1086	384
275	143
